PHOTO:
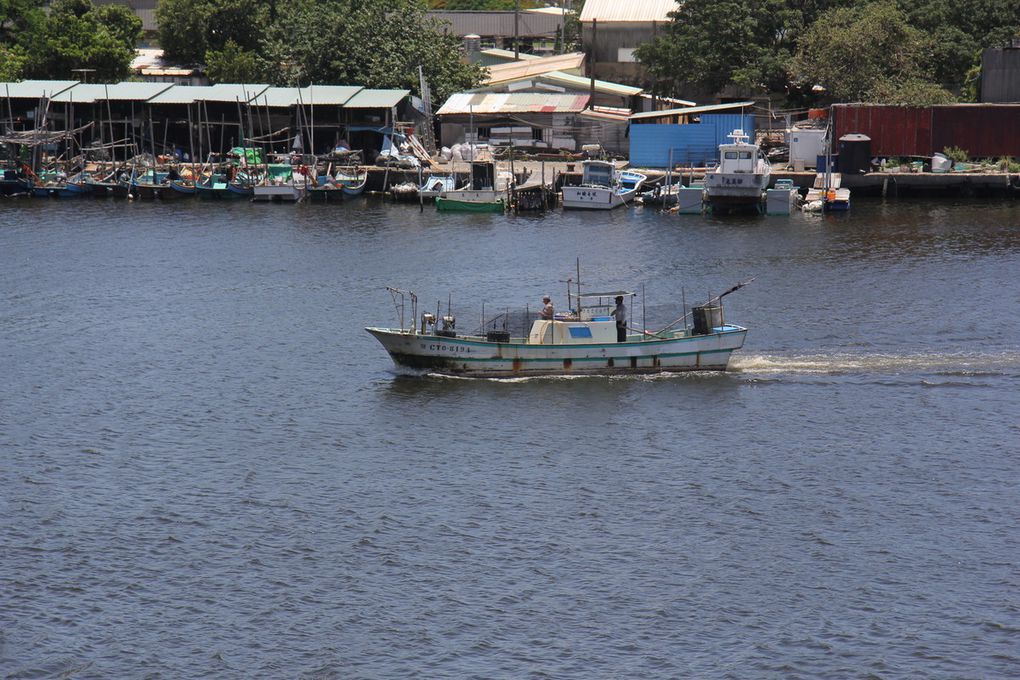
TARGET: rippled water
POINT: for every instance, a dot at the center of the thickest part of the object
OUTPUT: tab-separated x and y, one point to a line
208	469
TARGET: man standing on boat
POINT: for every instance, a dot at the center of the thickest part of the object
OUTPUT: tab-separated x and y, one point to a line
620	313
547	309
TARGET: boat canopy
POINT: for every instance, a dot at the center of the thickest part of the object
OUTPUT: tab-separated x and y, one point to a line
611	294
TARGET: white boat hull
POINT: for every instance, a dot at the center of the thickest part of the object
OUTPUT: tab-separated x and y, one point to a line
279	192
596	198
477	357
735	188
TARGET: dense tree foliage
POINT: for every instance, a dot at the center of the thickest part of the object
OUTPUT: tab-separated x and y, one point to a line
868	53
377	43
780	45
74	34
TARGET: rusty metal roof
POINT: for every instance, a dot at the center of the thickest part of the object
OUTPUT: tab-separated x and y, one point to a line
522	102
632	11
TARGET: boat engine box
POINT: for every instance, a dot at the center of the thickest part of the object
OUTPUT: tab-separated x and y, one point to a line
707	317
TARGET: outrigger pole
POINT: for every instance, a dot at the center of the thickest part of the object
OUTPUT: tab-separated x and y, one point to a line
718	297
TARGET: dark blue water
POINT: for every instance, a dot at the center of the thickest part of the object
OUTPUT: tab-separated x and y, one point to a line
208	469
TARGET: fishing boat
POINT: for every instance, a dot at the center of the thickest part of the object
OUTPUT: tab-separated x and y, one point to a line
352	180
582	341
15	182
485	192
603	187
109	185
56	184
282	182
741	177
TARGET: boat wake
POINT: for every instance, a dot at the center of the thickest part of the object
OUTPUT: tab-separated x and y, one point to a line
1001	364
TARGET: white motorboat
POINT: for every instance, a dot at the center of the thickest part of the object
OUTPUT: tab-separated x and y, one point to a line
603	187
741	177
583	341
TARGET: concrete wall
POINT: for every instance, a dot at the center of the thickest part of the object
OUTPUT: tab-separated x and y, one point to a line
613	41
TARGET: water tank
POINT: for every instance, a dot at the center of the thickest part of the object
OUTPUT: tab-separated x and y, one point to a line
854	154
707	317
472	47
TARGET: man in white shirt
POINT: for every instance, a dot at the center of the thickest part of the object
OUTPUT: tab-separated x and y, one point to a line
547	309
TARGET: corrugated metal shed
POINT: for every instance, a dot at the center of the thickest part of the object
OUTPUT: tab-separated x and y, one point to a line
632	11
35	89
499	24
687	111
601	86
327	95
650	145
376	99
223	92
519	70
467	103
87	93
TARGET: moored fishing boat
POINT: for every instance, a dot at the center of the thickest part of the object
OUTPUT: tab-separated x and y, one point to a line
282	182
741	178
352	180
14	181
583	341
485	192
603	187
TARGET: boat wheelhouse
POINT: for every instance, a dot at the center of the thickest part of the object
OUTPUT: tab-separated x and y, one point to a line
741	177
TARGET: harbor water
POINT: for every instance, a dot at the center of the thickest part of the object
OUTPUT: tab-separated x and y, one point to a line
209	470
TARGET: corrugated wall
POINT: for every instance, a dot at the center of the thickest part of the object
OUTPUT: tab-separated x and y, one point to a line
987	131
694	144
983	130
894	130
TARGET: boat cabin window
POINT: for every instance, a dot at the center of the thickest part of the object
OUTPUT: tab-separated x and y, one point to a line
745	155
731	155
599	175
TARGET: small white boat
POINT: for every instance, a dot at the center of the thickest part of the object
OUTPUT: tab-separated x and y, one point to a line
581	342
436	185
282	183
741	177
603	187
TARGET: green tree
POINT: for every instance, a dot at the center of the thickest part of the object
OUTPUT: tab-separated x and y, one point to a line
20	21
13	61
866	53
182	30
75	35
376	43
234	64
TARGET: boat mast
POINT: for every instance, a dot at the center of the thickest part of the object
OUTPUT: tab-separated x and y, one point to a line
578	289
